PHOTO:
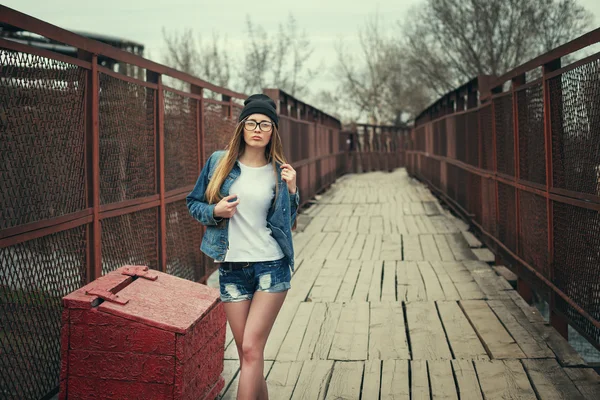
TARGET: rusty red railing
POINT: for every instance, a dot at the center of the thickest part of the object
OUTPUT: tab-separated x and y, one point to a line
519	156
94	172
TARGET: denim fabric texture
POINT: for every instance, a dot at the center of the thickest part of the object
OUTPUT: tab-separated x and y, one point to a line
240	284
215	242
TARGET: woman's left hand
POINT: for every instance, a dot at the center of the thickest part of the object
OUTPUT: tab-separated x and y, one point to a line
288	174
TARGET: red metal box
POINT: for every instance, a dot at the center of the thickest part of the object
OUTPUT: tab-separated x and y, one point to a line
142	334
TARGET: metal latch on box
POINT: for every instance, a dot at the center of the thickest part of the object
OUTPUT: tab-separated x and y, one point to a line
106	296
140	271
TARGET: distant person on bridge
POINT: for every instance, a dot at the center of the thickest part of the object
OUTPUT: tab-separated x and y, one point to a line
247	198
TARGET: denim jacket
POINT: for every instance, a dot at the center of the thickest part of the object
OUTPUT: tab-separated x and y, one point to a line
215	242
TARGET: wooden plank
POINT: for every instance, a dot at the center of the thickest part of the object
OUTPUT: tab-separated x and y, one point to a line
361	291
349	282
337	247
303	280
426	334
282	323
301	239
460	247
293	340
346	380
387	339
503	379
431	282
533	347
550	381
316	239
419	380
313	380
442	244
230	370
484	255
466	380
376	224
357	248
367	253
431	208
471	239
351	338
333	224
371	380
391	247
411	225
421	224
352	224
463	340
429	248
401	224
429	227
346	247
345	210
491	284
282	379
316	225
317	343
375	288
450	292
328	281
442	380
322	250
463	281
496	340
395	380
388	286
410	285
506	273
378	243
364	224
586	380
412	248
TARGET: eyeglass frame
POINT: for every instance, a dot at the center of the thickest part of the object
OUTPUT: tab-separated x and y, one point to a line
258	124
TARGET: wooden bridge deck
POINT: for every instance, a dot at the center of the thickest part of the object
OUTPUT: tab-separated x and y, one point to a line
391	300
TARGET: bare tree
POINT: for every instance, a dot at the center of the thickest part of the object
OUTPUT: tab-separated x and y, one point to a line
451	41
280	61
207	60
375	80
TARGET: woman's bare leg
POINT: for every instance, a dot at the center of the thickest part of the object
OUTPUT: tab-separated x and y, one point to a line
261	317
237	314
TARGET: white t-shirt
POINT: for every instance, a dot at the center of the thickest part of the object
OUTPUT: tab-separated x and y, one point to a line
249	237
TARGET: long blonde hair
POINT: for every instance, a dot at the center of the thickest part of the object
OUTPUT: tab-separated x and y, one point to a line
235	148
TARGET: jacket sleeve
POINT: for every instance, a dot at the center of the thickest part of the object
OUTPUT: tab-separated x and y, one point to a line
196	200
294	203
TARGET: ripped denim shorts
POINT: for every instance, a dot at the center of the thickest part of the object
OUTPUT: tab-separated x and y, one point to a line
263	276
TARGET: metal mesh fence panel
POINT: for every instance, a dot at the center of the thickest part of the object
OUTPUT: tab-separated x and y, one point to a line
486	128
532	159
130	239
127	140
576	260
533	231
507	231
41	140
34	276
181	140
218	128
472	137
505	140
184	235
575	122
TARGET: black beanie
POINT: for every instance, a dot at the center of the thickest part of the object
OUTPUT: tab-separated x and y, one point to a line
260	104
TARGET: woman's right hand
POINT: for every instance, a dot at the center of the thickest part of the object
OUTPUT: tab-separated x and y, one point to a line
226	207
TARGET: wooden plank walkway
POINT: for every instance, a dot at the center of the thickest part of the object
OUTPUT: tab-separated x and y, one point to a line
389	301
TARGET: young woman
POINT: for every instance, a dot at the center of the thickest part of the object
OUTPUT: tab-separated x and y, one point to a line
247	197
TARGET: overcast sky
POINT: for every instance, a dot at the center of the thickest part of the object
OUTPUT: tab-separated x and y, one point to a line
326	21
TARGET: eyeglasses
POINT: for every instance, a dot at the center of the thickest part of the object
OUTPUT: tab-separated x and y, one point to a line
251	124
